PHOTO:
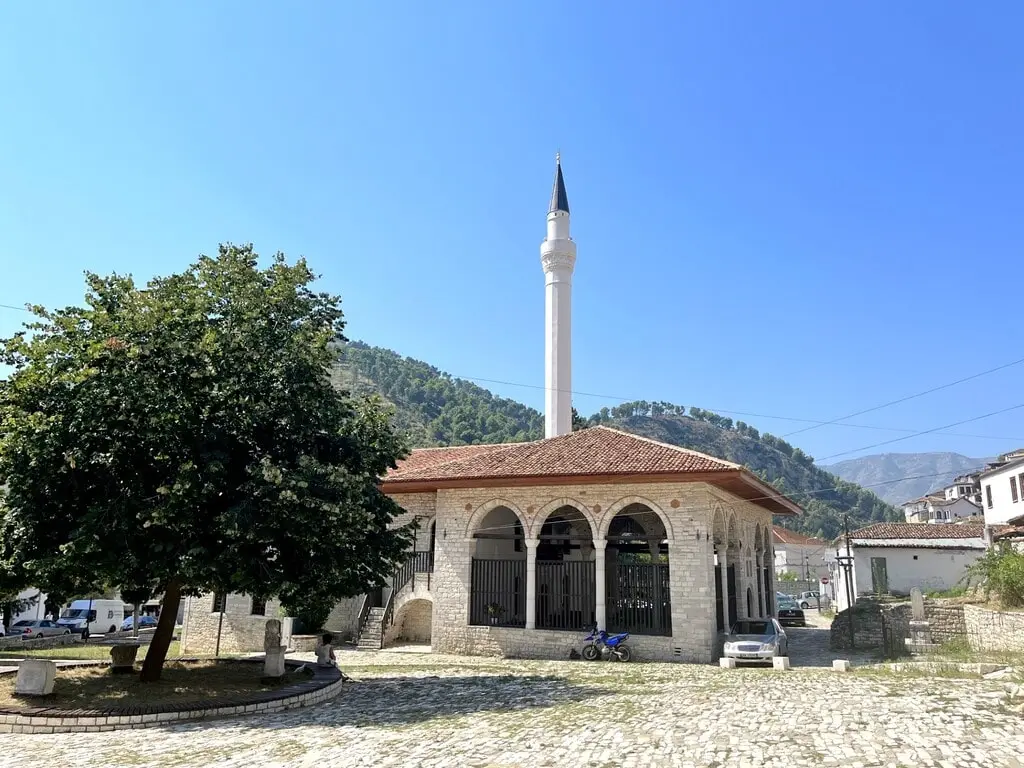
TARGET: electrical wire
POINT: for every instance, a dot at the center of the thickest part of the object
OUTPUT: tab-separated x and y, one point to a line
787	494
911	397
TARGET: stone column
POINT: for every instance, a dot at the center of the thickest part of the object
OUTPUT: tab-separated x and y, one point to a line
724	565
759	574
600	574
531	583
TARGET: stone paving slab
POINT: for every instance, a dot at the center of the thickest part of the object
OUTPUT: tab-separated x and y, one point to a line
440	711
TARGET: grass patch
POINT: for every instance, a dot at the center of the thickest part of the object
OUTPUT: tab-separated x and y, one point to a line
80	652
181	683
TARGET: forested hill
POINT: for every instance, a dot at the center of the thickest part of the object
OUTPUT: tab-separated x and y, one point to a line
434	408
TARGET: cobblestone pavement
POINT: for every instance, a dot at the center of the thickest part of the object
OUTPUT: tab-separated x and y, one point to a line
407	709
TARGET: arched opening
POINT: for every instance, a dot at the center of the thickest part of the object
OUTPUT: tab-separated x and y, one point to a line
566	594
497	594
750	602
719	532
759	536
412	623
637	594
733	550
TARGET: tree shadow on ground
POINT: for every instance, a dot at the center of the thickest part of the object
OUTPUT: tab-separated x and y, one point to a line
382	702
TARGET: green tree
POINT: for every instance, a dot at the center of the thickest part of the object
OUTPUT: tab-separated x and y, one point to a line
185	437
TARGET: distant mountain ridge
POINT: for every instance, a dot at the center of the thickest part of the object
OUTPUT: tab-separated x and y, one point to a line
433	408
900	477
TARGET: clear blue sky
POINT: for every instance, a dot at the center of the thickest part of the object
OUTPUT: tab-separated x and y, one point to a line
798	209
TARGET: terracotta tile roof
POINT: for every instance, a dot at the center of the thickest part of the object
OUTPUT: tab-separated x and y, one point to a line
421	458
785	536
1009	532
594	451
920	531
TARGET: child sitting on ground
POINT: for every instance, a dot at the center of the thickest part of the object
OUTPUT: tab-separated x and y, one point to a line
324	651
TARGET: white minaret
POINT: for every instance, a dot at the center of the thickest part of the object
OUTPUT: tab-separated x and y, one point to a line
558	257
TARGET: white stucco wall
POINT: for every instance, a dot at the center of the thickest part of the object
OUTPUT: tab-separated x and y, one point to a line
1003	507
789	558
933	568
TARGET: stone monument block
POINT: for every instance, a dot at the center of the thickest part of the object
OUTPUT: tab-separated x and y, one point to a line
916	604
122	658
841	665
780	663
727	663
35	677
273	665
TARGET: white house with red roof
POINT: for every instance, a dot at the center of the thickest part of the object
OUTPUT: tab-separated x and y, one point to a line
893	558
523	546
804	556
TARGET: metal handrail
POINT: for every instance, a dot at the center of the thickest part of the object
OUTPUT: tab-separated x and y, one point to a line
417	562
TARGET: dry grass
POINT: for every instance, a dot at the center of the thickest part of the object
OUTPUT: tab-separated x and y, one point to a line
181	683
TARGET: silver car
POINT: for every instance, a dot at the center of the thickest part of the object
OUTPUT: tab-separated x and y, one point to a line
756	640
31	629
809	600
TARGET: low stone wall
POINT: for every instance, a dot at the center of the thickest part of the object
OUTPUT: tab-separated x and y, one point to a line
303	693
885	626
38	644
513	643
993	630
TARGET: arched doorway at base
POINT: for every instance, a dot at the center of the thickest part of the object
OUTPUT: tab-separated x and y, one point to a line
412	624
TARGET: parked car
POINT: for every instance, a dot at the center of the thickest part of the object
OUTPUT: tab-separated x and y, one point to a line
30	629
789	613
144	622
810	599
756	640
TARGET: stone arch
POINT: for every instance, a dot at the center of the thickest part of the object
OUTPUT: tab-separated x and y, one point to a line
484	509
412	623
626	501
733	528
544	512
719	528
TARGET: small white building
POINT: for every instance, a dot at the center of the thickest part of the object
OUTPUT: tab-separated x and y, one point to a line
893	558
939	507
802	555
964	486
1002	487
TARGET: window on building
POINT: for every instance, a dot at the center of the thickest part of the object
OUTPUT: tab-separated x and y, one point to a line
1013	489
259	607
988	496
220	601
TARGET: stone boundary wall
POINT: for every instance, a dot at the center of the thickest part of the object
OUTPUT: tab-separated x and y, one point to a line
302	694
993	630
885	626
38	644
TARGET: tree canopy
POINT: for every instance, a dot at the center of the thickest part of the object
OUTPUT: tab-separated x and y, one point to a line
185	437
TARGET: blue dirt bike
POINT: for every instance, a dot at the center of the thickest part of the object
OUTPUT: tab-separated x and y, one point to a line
600	645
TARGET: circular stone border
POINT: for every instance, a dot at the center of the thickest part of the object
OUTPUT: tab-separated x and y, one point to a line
325	684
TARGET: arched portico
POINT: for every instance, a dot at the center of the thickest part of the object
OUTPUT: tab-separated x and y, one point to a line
727	557
498	579
637	594
564	567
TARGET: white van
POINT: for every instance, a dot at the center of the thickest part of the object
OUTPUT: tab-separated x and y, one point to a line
93	617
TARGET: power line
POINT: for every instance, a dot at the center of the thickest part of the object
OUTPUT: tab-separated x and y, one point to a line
924	432
619	398
911	397
787	494
814	424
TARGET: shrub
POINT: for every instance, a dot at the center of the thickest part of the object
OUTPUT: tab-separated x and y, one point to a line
1001	572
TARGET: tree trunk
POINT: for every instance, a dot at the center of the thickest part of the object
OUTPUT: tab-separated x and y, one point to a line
135	621
158	647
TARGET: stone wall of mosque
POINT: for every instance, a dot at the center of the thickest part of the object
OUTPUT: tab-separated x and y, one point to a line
688	514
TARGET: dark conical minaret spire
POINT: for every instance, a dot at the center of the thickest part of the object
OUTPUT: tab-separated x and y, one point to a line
559	199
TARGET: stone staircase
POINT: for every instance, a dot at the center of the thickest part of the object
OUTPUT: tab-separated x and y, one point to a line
372	636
